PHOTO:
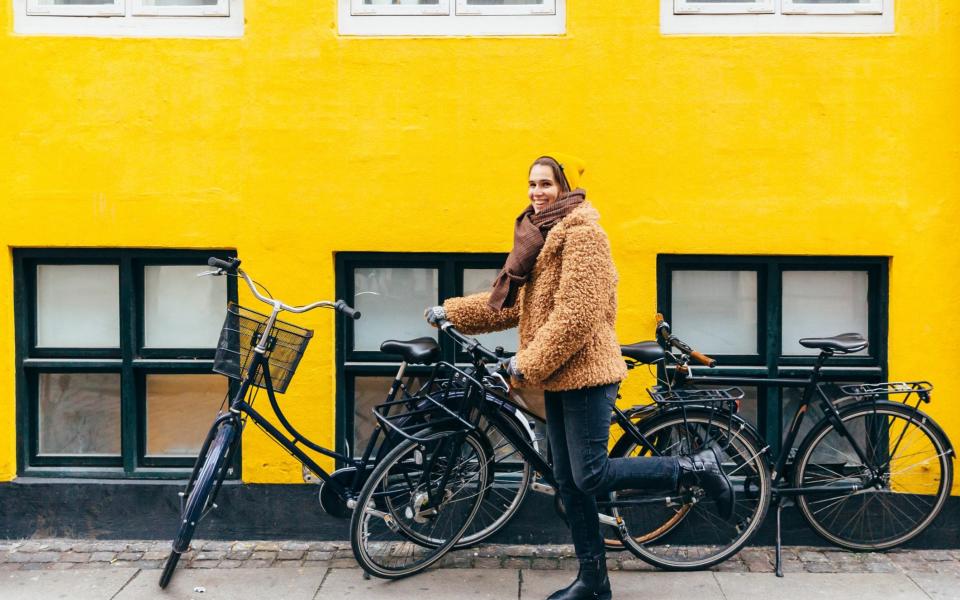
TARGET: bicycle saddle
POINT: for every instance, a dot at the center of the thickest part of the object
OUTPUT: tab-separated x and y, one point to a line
424	350
844	343
644	352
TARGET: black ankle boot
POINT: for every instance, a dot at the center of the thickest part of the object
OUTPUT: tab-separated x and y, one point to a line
703	470
591	583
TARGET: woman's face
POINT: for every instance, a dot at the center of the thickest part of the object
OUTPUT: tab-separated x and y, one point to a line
543	190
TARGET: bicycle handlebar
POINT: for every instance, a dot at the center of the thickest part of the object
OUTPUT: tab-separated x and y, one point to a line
469	344
663	332
231	267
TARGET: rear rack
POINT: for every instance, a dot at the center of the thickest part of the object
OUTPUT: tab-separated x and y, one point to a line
695	396
424	412
875	391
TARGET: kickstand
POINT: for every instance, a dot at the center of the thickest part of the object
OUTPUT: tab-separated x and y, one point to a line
779	553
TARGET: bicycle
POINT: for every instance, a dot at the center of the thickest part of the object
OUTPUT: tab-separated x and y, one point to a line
871	474
263	352
415	479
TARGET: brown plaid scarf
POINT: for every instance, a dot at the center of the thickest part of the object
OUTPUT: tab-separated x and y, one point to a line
529	235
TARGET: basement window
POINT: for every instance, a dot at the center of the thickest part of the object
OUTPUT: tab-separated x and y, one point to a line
763	17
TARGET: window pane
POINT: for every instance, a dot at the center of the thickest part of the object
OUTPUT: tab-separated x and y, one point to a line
367	393
399	2
79	413
78	306
868	2
716	311
180	309
73	2
392	301
480	280
505	2
180	410
823	303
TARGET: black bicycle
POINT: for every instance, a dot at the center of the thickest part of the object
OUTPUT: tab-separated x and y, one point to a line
433	477
263	352
871	474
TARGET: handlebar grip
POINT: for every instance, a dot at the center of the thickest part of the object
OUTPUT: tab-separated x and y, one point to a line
346	309
226	265
703	359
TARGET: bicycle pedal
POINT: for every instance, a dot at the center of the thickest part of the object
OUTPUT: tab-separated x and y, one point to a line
542	488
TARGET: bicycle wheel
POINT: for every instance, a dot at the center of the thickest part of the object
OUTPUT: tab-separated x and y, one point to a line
417	503
683	531
201	493
904	481
507	483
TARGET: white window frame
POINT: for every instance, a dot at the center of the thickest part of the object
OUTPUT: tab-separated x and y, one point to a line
732	7
359	9
134	21
791	7
220	9
34	7
861	22
454	24
549	7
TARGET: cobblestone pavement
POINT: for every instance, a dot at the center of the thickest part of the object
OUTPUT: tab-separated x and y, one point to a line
64	554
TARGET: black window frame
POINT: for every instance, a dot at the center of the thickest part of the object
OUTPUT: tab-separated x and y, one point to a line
768	362
351	363
131	360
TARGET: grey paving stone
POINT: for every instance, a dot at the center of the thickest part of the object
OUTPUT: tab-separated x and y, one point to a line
102	556
517	563
291	554
811	586
228	584
319	555
629	585
488	562
938	586
34	557
438	583
302	546
129	555
85	585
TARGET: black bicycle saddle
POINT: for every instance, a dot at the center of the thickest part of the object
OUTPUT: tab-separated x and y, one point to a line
844	343
424	350
644	352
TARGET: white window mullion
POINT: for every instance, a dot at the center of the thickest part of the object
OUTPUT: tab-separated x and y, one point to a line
362	8
181	8
92	8
727	7
832	7
523	7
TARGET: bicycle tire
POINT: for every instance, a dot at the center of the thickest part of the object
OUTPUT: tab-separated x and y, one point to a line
676	537
199	497
507	485
927	446
384	548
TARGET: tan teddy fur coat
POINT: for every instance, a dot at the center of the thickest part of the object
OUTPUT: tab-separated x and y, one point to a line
566	310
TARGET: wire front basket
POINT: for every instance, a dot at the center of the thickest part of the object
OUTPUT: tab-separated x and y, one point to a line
242	330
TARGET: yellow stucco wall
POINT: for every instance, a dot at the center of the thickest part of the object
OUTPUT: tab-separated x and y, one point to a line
293	143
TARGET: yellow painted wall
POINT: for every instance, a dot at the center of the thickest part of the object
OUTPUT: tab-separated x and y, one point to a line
292	143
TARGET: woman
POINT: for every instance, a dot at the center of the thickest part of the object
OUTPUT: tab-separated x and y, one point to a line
559	285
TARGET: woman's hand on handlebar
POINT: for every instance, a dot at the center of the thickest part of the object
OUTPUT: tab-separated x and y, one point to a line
435	315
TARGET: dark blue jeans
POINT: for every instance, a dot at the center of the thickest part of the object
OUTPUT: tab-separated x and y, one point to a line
578	425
